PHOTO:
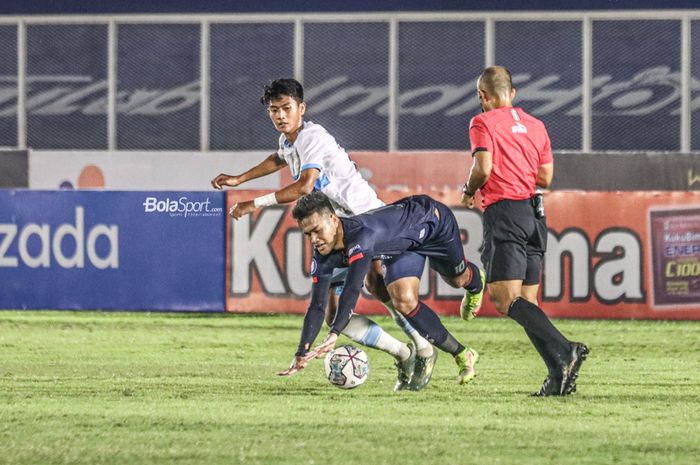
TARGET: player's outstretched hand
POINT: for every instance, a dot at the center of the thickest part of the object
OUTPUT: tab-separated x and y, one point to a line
224	180
320	350
240	209
298	364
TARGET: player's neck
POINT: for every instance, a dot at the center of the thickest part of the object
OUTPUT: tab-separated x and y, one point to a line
340	243
292	135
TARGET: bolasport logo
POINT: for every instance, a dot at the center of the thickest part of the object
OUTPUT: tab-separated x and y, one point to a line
181	206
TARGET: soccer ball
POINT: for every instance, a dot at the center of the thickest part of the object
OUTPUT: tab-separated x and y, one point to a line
346	367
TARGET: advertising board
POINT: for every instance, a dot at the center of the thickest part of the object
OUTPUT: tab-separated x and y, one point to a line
111	250
610	255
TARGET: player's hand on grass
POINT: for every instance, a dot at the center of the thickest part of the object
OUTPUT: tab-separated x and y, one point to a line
320	350
224	180
241	209
298	364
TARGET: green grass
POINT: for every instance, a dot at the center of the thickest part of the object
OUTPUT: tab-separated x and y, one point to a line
135	388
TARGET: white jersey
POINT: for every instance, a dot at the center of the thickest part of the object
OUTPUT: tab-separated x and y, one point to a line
339	178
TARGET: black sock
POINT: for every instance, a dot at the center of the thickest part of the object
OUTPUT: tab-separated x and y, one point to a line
474	285
551	362
430	327
537	325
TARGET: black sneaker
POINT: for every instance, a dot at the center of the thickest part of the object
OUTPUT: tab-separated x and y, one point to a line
405	369
422	371
579	352
550	387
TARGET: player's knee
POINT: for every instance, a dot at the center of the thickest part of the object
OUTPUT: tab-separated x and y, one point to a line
375	285
405	303
501	302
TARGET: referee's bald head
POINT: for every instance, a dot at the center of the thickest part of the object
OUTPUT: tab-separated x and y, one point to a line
496	81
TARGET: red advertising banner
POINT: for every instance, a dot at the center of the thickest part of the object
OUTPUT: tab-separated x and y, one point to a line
610	255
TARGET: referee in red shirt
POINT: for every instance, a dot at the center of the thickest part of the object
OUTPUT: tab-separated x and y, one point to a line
512	157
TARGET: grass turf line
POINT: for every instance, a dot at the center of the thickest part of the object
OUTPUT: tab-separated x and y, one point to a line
139	388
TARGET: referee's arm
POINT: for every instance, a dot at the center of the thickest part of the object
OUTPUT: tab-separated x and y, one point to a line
479	174
545	175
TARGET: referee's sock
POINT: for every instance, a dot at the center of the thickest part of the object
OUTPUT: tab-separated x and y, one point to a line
547	338
550	360
428	324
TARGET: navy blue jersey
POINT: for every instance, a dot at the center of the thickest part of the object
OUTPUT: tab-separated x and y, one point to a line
417	224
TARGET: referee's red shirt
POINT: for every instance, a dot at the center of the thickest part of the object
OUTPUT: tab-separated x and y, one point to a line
518	143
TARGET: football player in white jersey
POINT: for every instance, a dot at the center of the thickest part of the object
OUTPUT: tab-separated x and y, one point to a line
317	162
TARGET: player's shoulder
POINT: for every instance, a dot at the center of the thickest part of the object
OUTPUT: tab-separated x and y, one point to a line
527	117
312	130
478	120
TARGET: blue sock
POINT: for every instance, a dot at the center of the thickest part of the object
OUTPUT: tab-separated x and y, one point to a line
474	285
430	327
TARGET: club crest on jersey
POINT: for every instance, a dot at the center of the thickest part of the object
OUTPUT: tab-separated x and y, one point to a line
519	128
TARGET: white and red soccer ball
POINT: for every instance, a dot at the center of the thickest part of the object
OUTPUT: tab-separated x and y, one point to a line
346	367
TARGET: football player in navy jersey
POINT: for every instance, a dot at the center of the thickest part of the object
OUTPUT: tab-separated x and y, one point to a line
317	162
403	235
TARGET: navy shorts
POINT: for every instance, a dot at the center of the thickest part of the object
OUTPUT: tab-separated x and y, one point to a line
514	242
444	249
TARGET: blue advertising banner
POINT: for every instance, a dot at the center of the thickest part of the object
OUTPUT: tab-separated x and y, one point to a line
61	58
112	250
8	86
420	98
546	87
337	56
159	70
269	6
244	57
695	86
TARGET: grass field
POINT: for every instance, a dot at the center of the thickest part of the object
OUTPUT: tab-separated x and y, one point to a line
135	388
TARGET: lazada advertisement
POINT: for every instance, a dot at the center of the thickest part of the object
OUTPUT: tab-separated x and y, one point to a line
111	250
610	255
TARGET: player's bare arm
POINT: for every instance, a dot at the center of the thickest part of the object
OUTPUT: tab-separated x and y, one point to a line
348	299
271	164
545	175
479	174
313	321
291	193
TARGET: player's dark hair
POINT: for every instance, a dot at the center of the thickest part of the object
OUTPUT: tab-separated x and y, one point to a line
315	202
280	87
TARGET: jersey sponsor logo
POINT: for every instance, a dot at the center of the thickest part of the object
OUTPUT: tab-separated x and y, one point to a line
353	249
314	266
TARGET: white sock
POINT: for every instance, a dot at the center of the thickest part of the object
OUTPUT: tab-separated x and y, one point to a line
423	347
366	332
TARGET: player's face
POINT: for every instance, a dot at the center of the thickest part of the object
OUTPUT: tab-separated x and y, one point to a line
286	114
322	231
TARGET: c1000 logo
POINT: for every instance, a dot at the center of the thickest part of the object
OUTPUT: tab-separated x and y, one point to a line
180	207
50	243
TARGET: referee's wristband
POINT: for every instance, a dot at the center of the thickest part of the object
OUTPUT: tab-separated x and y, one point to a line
465	190
265	200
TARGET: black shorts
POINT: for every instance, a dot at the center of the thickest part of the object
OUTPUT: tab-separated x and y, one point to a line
445	252
514	242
